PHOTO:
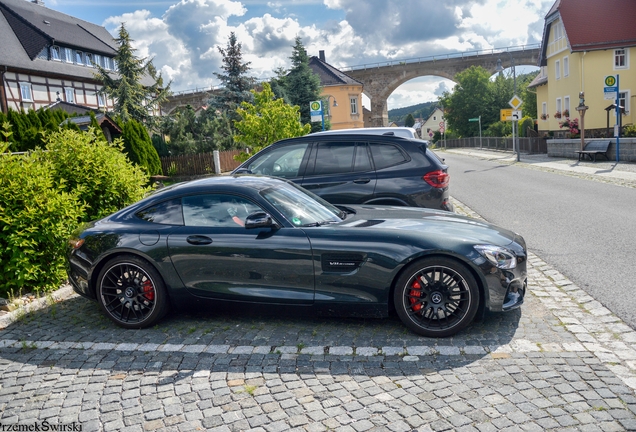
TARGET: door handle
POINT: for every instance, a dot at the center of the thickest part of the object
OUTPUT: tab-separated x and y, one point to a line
198	240
362	180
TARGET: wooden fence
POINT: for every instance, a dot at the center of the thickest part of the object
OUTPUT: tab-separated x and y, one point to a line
198	164
532	145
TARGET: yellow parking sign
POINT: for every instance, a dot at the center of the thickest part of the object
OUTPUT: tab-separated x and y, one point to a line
505	115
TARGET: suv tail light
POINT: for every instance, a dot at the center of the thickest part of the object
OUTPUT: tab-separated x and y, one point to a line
437	179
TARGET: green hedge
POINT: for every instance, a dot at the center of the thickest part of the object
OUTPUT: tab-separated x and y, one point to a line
46	195
37	217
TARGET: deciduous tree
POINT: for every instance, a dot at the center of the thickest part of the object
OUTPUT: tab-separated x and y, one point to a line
267	121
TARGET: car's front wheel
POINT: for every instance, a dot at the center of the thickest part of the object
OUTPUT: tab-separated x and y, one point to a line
436	297
131	292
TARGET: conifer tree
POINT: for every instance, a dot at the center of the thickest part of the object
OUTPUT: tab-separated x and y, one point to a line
132	98
302	85
235	83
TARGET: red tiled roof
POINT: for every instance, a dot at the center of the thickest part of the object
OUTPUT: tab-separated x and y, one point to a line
598	24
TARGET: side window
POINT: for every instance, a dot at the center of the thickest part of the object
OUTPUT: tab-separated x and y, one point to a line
386	155
362	162
282	162
166	213
217	210
334	157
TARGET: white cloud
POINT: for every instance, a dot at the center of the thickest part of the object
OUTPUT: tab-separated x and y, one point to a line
184	40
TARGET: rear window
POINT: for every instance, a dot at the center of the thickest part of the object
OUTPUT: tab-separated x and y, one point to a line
386	155
165	213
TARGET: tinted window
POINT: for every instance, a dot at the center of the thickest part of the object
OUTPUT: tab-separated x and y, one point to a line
362	161
217	210
386	155
334	157
282	162
167	213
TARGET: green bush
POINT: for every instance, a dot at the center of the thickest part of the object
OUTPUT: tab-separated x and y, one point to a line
37	217
526	123
97	171
138	146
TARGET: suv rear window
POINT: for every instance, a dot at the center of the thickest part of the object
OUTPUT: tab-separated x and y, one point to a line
386	155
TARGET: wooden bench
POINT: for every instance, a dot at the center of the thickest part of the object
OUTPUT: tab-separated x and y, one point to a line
594	148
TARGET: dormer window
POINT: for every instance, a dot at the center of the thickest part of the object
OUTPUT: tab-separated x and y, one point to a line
55	53
78	57
68	55
89	59
97	60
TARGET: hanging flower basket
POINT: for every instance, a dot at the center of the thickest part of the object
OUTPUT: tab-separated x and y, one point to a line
545	116
557	114
566	113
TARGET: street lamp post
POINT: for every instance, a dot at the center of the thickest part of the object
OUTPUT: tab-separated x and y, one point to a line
335	104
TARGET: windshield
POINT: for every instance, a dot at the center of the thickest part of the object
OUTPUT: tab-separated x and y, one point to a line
302	208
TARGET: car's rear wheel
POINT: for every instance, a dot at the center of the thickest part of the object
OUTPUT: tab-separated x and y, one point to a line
436	297
131	292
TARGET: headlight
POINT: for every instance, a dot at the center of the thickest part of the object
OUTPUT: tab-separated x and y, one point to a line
498	256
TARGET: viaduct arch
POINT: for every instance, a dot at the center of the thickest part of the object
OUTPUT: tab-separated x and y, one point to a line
381	79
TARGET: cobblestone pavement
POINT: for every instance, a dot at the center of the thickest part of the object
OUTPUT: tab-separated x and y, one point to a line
563	362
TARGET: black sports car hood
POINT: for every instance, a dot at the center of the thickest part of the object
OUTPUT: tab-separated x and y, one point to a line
433	222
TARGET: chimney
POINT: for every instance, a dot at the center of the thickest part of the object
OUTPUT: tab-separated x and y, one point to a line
321	55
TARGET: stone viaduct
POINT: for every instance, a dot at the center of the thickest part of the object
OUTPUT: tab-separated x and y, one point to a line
382	79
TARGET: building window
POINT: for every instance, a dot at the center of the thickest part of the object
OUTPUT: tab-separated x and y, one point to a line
55	53
89	59
25	92
621	60
557	69
354	105
623	100
114	62
69	94
78	57
101	100
68	55
566	106
559	108
544	109
566	66
558	31
98	60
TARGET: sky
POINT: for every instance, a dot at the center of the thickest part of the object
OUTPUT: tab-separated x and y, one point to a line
181	37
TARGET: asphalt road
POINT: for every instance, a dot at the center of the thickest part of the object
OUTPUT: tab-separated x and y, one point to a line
585	229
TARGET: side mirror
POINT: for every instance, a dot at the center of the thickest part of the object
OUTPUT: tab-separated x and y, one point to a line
260	220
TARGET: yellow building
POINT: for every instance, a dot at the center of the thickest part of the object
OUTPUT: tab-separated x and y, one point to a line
585	41
341	94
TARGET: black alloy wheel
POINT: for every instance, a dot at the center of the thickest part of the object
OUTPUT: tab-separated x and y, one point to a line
436	297
131	292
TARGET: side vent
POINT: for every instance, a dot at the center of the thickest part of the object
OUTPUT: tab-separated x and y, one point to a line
341	263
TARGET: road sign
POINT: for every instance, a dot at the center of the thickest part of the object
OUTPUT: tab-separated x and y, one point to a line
315	111
517	115
505	114
441	124
610	81
610	88
474	119
515	102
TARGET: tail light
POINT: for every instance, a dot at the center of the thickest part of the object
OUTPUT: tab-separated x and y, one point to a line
437	179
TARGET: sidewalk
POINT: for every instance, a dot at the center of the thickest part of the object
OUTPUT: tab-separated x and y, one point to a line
621	173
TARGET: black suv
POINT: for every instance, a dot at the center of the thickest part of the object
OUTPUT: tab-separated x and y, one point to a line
358	169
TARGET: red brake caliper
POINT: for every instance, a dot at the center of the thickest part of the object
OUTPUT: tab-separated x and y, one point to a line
416	291
149	291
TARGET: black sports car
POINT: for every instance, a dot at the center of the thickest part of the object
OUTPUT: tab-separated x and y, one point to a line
267	240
